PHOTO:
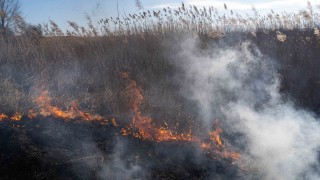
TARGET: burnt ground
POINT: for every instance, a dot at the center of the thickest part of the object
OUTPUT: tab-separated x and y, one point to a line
54	149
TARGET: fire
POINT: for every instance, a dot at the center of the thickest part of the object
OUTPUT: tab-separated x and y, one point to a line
146	129
44	103
141	127
16	117
3	116
215	136
46	109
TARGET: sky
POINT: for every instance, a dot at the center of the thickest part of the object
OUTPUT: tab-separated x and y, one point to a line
61	11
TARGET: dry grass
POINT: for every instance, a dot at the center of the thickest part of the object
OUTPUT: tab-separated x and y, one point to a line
83	63
190	20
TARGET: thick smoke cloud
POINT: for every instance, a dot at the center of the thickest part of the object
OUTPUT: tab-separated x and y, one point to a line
240	86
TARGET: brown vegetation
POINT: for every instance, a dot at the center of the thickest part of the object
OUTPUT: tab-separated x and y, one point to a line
85	63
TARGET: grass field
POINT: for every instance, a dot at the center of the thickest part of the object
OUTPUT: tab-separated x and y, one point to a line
192	66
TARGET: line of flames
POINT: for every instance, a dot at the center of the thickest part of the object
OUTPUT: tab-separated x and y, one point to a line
46	109
146	129
141	127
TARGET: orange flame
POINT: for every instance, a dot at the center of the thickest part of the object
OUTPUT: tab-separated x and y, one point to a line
16	117
141	127
3	116
146	129
46	109
215	136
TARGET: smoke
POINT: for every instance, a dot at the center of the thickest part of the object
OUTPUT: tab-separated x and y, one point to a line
119	166
240	86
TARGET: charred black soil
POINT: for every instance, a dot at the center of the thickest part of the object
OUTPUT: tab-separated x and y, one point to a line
54	149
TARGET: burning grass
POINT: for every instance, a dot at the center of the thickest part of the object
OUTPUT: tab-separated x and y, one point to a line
67	108
141	128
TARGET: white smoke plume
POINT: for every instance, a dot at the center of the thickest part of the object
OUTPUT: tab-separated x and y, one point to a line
119	168
240	86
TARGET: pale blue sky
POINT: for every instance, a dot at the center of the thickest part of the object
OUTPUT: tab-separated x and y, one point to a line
61	11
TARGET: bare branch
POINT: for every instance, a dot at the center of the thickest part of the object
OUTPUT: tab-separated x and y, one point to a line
10	15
